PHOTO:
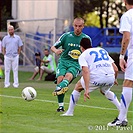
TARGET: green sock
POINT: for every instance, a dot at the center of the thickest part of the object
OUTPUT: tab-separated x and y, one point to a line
63	84
61	98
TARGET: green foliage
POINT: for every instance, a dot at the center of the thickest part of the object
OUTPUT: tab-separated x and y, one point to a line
109	11
4	17
92	19
39	116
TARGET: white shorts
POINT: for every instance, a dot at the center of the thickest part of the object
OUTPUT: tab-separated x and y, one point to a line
44	68
36	69
129	69
102	83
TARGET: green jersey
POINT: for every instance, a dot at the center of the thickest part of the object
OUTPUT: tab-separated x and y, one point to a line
71	45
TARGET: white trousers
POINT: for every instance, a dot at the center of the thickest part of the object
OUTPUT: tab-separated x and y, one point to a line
11	63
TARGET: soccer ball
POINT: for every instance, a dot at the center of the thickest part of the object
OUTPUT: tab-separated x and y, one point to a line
29	93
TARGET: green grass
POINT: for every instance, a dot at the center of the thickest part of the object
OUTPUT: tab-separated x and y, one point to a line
40	116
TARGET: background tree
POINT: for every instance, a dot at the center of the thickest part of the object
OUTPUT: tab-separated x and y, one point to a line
109	11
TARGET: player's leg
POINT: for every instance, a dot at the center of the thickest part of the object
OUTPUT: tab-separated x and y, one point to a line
15	71
7	65
70	74
74	99
111	96
44	69
60	97
126	96
36	71
61	89
76	94
41	74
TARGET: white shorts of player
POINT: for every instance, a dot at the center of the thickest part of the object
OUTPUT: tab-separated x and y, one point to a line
129	69
44	68
102	82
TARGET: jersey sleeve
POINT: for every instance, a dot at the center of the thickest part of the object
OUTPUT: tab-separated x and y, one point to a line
124	24
20	42
111	60
82	61
59	42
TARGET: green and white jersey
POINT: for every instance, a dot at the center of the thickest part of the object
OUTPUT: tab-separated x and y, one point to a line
71	45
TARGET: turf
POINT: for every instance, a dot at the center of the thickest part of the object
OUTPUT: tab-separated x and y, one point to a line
40	116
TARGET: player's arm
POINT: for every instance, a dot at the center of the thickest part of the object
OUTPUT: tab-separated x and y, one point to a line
3	50
86	77
116	72
56	51
125	42
58	44
19	49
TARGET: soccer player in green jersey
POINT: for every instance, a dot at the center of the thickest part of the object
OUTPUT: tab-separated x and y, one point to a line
68	47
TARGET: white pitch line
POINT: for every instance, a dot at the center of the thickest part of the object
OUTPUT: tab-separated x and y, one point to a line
48	101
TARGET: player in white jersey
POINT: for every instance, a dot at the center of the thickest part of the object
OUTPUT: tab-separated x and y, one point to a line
98	72
126	28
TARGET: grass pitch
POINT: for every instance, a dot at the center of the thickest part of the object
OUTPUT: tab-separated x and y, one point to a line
40	116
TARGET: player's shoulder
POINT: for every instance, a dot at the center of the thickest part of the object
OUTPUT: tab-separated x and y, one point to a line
86	36
127	14
64	35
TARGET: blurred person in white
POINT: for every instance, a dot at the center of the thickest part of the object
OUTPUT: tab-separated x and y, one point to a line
126	28
11	47
45	65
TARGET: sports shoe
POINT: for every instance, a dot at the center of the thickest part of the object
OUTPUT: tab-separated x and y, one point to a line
117	122
66	114
6	86
60	91
60	109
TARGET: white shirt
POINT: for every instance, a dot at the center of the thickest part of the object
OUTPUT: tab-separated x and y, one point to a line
126	24
98	62
11	43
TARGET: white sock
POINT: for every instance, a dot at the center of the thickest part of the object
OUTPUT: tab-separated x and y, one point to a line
73	100
112	97
61	104
126	99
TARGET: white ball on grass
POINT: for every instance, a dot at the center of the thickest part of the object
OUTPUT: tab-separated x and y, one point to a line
29	93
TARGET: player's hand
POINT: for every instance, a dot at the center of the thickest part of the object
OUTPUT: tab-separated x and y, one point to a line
123	64
86	95
59	51
116	82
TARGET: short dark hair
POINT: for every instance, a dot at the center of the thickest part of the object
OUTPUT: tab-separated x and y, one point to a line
85	43
130	2
37	54
46	49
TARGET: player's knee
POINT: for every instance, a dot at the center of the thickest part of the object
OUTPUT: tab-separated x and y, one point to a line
60	79
102	92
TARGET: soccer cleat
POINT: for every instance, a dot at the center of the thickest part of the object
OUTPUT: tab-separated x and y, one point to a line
60	109
60	91
66	114
6	86
117	122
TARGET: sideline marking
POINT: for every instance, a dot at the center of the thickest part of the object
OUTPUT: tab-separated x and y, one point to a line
48	101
